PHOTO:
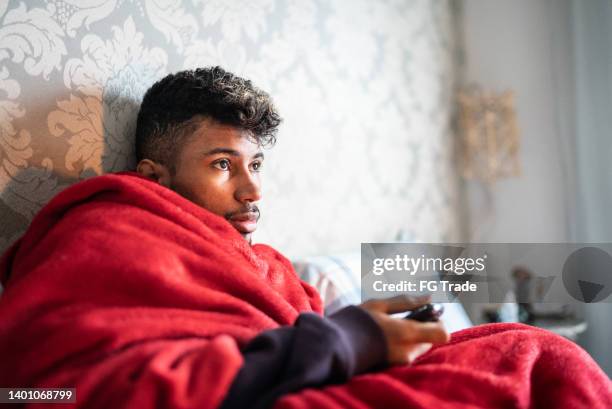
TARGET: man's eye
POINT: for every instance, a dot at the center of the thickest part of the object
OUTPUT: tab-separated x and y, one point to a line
223	164
257	166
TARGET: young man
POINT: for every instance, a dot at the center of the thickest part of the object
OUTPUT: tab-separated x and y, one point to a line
201	133
143	290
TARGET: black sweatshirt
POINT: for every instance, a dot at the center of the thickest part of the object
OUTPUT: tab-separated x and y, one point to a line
315	351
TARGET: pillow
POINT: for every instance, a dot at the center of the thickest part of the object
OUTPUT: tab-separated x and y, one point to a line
337	278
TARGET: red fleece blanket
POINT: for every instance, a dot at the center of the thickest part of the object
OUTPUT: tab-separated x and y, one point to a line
141	299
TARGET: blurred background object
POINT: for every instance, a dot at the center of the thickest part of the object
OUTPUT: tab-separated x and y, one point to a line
490	137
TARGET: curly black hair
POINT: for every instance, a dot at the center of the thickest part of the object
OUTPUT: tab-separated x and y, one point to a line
174	106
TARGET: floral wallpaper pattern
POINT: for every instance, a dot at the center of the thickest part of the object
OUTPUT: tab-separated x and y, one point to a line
365	88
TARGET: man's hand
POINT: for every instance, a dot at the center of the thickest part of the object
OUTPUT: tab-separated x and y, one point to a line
406	339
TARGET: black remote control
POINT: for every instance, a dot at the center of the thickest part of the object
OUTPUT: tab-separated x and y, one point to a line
426	313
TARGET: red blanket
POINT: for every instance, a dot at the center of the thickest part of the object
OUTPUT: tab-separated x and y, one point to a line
141	299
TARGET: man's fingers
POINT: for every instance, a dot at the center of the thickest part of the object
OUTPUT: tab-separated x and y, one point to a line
399	303
404	337
431	332
414	332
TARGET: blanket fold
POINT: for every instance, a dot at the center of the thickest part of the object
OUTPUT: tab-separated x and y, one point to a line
140	299
488	366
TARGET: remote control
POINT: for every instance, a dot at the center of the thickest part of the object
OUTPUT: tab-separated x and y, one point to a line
426	313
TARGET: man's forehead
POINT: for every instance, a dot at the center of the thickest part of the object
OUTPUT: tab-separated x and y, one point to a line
213	137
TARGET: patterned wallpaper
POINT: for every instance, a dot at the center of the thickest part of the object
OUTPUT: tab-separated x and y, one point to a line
365	88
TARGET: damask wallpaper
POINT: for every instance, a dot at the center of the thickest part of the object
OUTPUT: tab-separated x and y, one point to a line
365	88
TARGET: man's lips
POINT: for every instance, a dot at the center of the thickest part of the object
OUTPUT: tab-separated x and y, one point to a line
244	222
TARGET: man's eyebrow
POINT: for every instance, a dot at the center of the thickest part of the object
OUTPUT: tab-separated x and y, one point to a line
228	151
231	152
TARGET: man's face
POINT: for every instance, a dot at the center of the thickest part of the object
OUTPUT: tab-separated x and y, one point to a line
218	169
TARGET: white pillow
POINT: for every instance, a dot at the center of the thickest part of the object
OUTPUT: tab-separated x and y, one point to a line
337	278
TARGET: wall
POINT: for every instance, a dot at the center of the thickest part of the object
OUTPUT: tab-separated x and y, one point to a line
365	89
592	24
532	47
508	45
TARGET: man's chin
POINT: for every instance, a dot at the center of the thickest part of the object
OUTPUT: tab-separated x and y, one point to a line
247	236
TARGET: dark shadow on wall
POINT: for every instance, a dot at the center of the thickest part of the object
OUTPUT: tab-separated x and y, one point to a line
119	118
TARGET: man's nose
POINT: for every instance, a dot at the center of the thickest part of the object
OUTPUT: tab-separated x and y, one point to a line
249	188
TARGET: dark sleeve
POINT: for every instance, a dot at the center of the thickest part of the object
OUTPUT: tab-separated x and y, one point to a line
314	351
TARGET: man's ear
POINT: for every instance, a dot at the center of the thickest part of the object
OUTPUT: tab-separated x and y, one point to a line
155	171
